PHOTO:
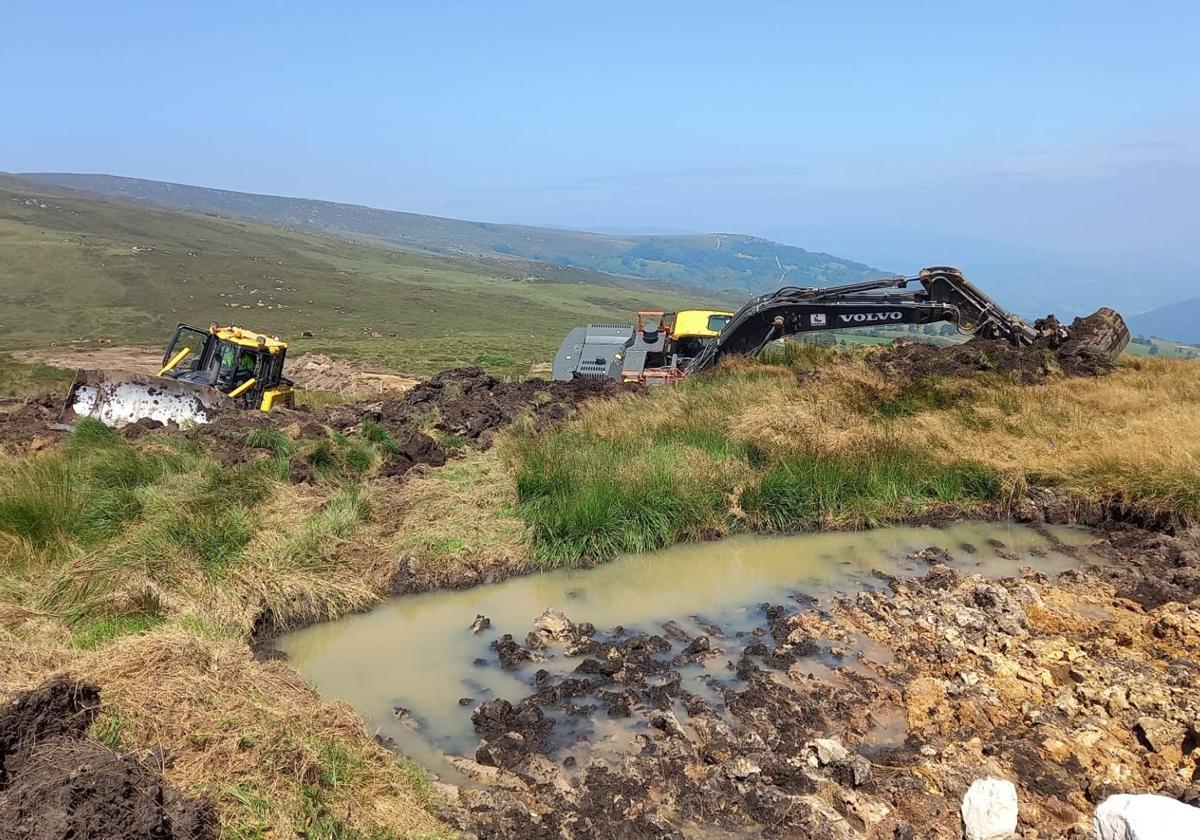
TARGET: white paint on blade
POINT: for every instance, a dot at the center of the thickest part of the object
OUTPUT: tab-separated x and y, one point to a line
85	400
119	404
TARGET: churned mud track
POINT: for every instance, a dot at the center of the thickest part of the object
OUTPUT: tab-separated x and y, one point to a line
1074	688
55	782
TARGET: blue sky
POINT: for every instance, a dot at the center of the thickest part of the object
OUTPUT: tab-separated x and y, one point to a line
1017	139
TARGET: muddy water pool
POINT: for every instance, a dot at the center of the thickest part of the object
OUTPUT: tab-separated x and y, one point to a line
416	653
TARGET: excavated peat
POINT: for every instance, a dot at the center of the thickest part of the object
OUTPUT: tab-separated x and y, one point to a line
1084	353
56	783
27	419
468	404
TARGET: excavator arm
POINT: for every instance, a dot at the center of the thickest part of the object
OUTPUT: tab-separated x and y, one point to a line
943	294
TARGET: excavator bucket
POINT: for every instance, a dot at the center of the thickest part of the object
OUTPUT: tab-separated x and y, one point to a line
118	398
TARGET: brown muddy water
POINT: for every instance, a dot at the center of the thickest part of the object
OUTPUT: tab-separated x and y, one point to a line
416	653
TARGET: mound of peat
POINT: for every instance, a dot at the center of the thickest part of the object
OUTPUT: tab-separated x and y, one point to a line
1085	353
466	403
55	782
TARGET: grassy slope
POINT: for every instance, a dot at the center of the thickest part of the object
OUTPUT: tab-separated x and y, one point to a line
68	270
725	261
1164	349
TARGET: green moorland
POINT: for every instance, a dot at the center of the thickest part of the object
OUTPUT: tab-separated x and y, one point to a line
1163	348
711	261
147	564
78	267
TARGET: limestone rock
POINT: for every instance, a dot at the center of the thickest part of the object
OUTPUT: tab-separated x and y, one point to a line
989	810
830	750
1145	816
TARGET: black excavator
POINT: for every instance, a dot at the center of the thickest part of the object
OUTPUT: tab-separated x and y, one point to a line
659	354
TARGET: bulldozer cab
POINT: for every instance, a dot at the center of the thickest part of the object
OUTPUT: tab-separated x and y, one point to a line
244	365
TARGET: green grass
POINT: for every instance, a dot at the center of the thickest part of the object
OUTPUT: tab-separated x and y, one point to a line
271	439
865	490
98	632
84	494
21	379
68	270
1162	348
590	498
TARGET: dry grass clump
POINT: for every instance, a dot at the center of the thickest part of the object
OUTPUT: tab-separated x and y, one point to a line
276	760
456	523
1135	432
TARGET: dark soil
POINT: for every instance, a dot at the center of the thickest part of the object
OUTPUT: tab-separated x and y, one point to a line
1084	353
58	784
469	405
25	419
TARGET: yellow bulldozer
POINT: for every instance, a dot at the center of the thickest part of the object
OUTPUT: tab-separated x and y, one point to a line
204	372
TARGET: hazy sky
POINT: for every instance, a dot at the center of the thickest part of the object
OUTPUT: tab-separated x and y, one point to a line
1013	137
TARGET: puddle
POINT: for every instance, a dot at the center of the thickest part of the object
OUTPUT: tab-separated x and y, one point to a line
417	653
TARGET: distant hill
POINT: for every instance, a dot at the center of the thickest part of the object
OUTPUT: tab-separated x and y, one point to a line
1177	321
714	261
76	267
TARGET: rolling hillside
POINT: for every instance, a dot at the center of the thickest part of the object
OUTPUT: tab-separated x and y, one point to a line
714	261
1177	321
81	267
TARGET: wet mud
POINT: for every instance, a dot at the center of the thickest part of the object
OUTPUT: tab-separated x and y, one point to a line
56	782
1074	687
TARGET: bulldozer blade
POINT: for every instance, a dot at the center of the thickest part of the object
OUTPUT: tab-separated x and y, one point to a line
118	398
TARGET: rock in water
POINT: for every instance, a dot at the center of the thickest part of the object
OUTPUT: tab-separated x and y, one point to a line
989	810
1146	816
554	624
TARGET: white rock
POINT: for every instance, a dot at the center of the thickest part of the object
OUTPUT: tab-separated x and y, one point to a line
830	750
1146	816
989	810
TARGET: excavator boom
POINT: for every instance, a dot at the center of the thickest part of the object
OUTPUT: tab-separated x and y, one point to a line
944	294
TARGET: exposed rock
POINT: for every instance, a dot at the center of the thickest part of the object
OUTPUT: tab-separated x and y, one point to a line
829	750
554	624
989	810
1145	816
481	623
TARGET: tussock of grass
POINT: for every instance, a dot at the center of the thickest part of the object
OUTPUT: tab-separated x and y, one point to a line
866	490
271	439
145	565
455	522
593	498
